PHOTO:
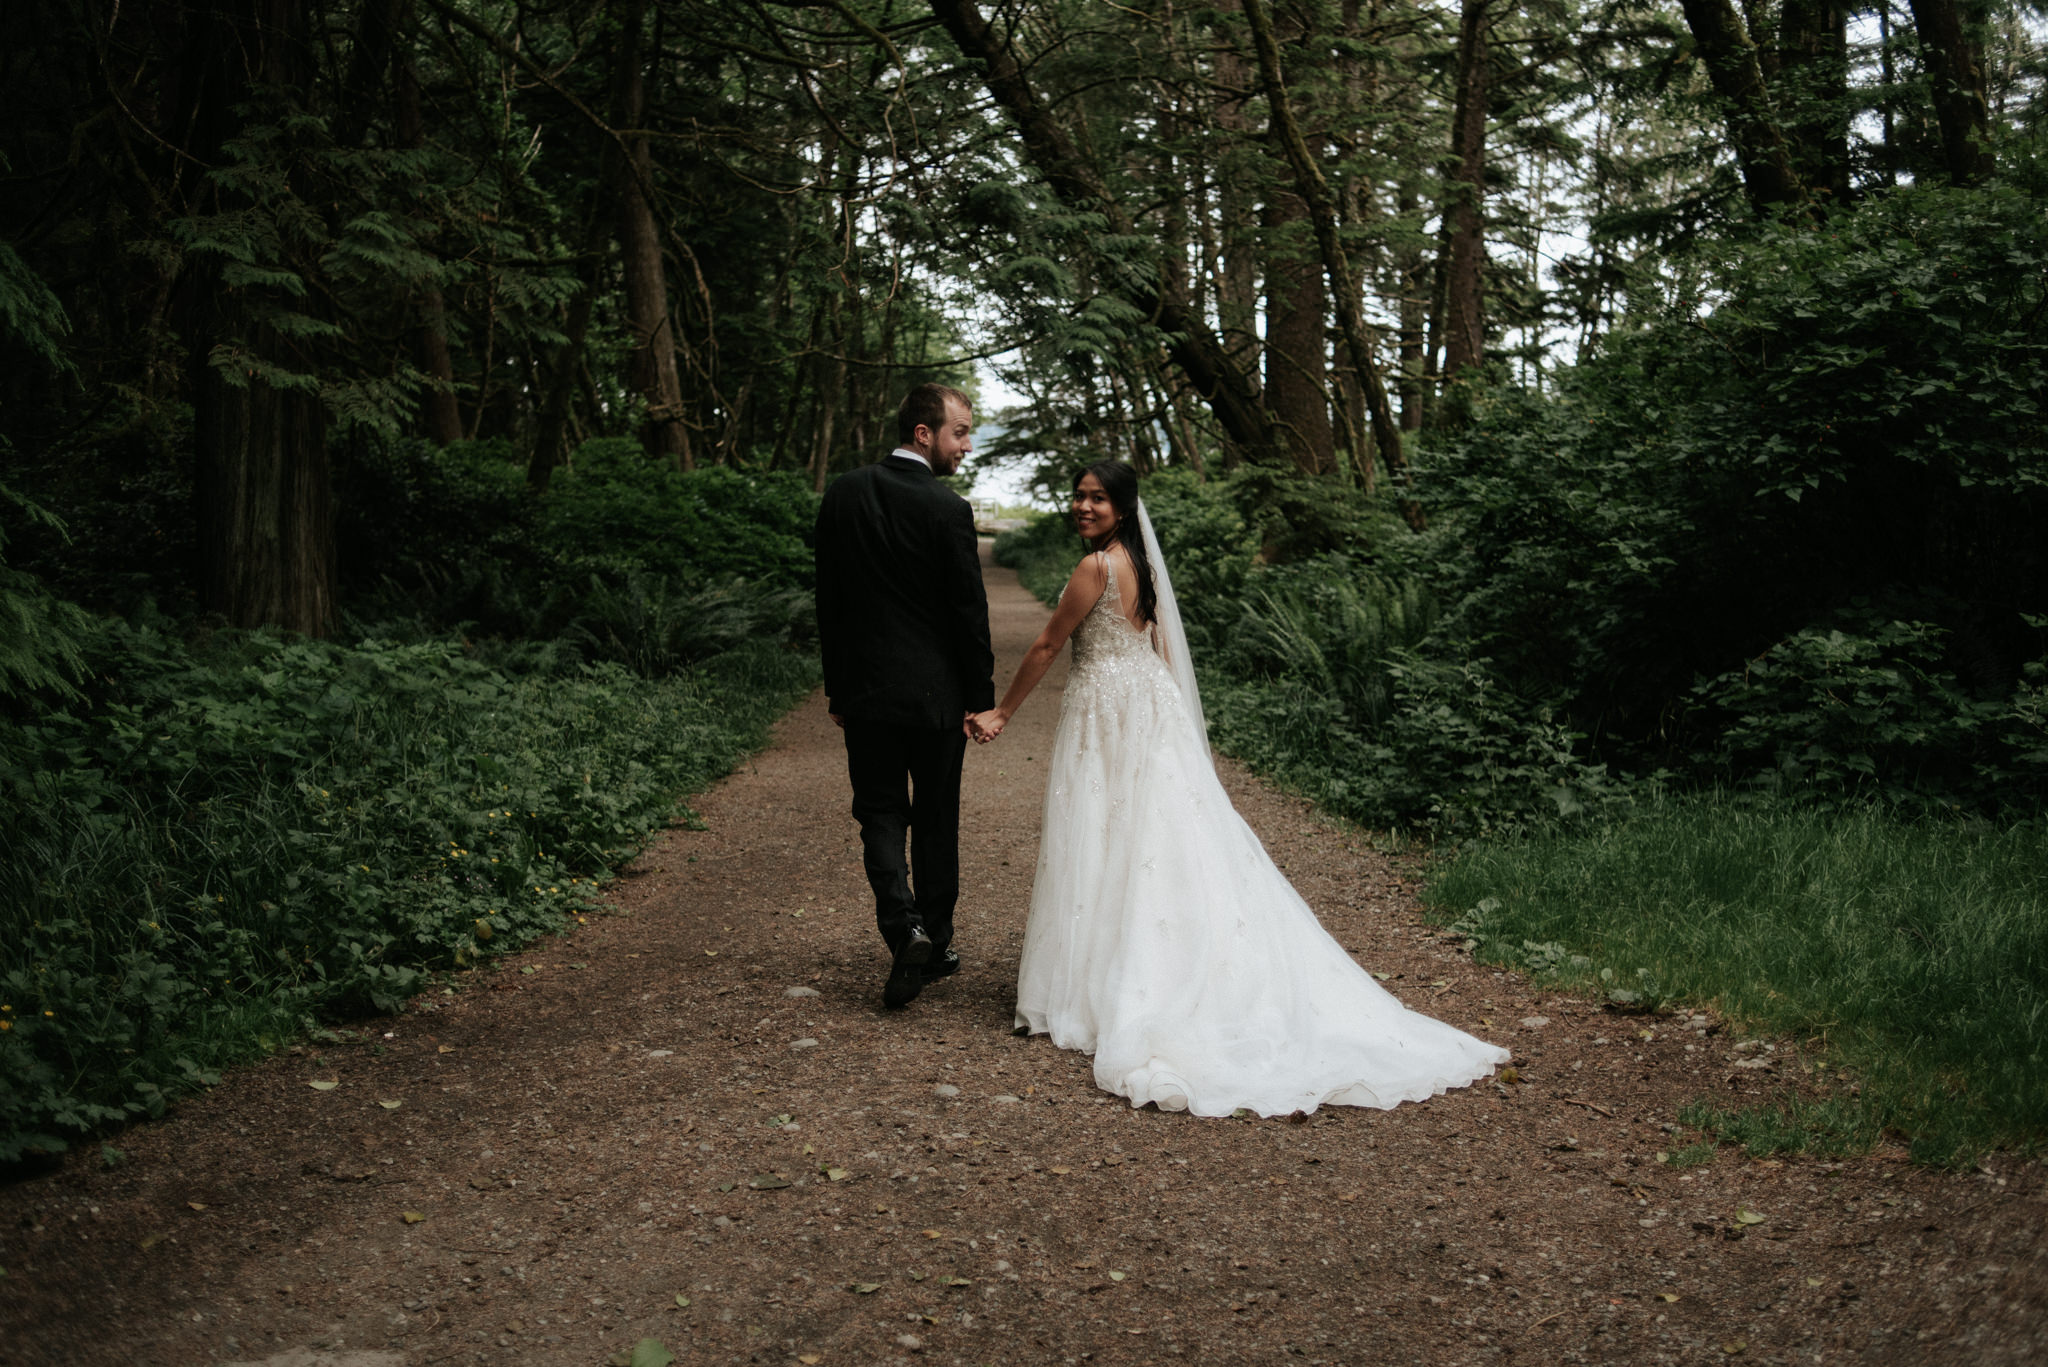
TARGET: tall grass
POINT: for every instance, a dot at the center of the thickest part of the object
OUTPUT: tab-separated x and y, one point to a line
1912	954
235	836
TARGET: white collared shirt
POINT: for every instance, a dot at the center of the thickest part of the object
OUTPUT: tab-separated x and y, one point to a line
906	451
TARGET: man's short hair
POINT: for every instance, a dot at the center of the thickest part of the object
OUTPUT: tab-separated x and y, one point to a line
925	406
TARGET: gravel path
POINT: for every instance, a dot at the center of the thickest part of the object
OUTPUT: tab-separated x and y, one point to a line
693	1121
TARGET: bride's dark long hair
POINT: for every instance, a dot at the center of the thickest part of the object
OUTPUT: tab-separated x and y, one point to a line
1120	482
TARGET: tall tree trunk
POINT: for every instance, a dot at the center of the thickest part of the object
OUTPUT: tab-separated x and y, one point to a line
1210	370
551	424
382	41
439	417
1813	78
1237	280
1412	279
653	367
1465	199
1297	391
1954	57
831	394
266	514
1761	150
262	494
1887	81
1323	213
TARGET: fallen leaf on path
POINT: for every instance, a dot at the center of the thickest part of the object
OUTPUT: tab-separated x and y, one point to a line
649	1353
391	1105
954	1281
1118	1276
1748	1217
1059	1172
1668	1297
412	1217
864	1288
197	1205
810	1359
149	1241
682	1302
445	1049
769	1181
934	1234
837	1174
327	1084
1735	1347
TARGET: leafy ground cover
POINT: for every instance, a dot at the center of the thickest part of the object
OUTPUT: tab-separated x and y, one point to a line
211	840
269	830
1909	956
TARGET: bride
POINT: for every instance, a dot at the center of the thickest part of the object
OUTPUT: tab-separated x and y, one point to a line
1162	938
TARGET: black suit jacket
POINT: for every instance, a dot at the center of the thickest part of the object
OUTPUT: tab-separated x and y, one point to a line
902	614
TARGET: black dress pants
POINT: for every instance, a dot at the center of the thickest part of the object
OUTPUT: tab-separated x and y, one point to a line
906	783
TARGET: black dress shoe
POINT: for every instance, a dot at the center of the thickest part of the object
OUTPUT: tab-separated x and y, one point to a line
943	965
906	972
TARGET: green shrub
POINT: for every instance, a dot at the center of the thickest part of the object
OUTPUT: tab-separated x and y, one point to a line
1830	465
232	837
1872	710
613	508
1328	674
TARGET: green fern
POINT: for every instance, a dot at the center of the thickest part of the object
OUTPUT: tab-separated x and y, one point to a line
41	636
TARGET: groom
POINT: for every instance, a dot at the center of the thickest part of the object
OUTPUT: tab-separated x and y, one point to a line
903	621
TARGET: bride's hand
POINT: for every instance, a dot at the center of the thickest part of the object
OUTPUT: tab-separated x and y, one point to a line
985	726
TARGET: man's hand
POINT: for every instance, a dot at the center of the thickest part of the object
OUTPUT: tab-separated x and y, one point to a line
837	720
985	726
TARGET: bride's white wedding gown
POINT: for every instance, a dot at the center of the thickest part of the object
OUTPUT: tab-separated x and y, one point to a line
1164	940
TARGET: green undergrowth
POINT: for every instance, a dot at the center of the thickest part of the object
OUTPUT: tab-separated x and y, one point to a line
1909	956
1331	676
226	838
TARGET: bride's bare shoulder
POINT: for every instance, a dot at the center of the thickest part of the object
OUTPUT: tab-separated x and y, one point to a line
1089	577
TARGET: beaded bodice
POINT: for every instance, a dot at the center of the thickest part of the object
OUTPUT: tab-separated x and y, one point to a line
1104	641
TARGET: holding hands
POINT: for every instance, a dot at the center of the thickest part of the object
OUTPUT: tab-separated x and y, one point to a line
983	727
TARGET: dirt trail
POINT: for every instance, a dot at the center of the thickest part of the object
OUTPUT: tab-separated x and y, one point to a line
703	1098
